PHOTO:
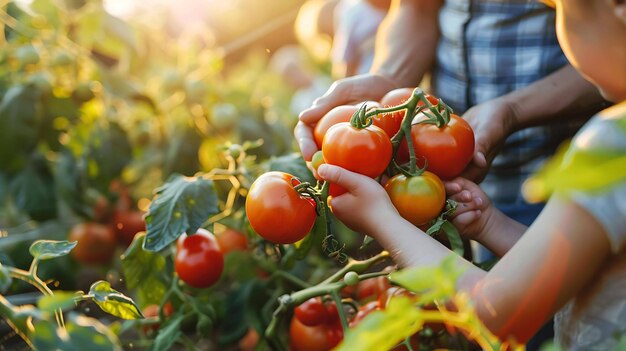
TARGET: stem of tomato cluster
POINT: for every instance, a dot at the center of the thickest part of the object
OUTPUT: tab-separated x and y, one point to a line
356	266
7	310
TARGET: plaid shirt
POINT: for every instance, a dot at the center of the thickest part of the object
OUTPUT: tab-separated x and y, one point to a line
488	49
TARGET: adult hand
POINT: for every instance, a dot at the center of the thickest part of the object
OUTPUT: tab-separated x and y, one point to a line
364	203
492	121
344	91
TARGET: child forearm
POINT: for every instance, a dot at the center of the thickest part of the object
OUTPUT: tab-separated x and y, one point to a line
501	233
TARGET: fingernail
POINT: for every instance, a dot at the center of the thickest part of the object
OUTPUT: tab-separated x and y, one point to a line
321	170
479	201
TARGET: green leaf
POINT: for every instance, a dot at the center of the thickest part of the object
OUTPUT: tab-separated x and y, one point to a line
431	283
143	270
293	164
47	249
5	279
103	143
168	334
181	205
60	300
114	302
20	119
80	333
381	330
234	326
32	190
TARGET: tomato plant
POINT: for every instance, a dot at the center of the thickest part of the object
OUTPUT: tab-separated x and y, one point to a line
96	243
390	122
276	211
336	115
418	199
447	149
199	261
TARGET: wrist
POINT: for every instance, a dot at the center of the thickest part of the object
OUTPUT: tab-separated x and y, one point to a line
511	119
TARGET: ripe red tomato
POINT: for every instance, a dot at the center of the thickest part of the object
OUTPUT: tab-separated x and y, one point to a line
303	338
312	312
153	311
198	260
231	240
448	150
276	211
366	151
127	224
391	122
334	333
417	199
336	115
372	287
96	243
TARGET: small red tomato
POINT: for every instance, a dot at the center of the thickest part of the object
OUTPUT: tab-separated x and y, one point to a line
363	312
232	240
372	288
312	312
276	211
127	224
303	338
96	243
391	122
151	311
199	261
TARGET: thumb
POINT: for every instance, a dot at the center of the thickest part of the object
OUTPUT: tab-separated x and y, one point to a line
340	176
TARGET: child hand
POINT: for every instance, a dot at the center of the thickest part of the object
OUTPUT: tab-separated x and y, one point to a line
473	207
365	202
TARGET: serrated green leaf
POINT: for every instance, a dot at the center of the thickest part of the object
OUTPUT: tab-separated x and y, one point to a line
183	204
103	142
47	249
381	330
80	333
168	334
32	189
114	302
142	271
5	278
60	300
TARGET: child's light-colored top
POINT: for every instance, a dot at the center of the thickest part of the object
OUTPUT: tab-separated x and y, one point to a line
596	318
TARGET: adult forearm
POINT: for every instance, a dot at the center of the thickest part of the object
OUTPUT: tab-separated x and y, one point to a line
406	41
564	94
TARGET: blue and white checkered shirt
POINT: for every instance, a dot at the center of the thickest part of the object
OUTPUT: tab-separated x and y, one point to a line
488	49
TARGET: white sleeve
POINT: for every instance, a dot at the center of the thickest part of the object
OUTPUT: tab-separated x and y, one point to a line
609	209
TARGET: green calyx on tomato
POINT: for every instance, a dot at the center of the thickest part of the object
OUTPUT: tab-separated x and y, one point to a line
199	262
277	211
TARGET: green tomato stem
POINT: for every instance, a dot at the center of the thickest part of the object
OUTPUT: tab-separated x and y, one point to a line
342	314
31	278
356	266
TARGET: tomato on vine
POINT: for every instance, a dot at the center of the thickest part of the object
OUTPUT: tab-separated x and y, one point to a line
312	312
96	243
277	211
447	149
127	224
303	338
365	151
198	260
232	240
151	311
418	199
338	114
